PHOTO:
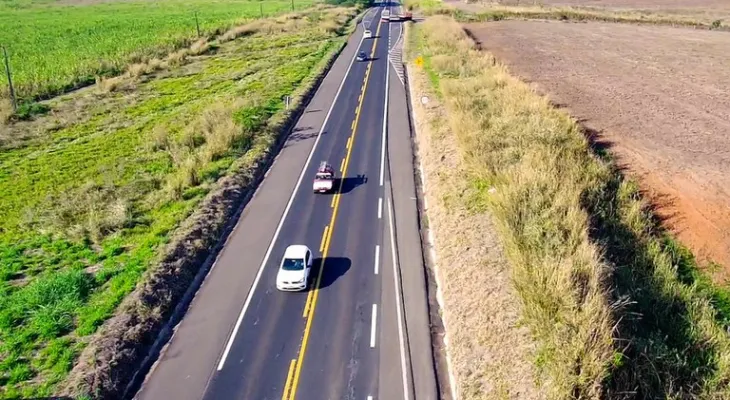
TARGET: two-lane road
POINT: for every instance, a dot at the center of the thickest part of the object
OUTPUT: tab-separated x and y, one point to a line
324	343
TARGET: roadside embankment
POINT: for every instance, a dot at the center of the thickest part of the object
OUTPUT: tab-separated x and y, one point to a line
557	281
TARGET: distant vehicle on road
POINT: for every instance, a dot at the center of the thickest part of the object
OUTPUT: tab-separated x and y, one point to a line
294	268
324	180
362	56
367	33
394	18
385	15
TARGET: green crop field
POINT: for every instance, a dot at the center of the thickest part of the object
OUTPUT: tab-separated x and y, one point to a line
57	45
87	203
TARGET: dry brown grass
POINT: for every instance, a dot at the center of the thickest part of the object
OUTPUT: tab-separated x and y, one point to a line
219	130
6	110
615	321
534	200
239	31
92	212
491	352
108	85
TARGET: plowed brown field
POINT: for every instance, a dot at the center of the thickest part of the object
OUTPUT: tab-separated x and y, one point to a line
715	8
659	97
704	5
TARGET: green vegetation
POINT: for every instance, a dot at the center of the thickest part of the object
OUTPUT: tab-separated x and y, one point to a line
88	204
58	45
618	309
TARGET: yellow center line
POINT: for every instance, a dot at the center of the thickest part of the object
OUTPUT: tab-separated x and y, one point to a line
324	236
342	165
287	386
307	305
335	205
321	249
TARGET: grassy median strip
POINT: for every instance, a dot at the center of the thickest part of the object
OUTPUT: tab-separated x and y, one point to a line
614	305
90	203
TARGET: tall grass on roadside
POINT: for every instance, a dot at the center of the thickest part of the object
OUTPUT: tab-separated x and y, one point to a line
598	281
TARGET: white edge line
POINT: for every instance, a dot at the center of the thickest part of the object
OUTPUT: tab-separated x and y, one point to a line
370	397
385	121
283	217
380	208
377	257
398	306
373	326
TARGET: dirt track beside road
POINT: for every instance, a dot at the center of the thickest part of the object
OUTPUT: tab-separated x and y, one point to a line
658	98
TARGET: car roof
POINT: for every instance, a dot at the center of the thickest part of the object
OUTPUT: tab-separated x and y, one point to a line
295	251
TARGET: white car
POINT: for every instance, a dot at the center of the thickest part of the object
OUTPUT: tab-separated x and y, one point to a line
294	268
367	34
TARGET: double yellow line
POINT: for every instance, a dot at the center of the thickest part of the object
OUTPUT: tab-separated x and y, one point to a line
295	367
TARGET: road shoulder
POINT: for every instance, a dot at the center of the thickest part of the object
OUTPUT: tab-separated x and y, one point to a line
409	250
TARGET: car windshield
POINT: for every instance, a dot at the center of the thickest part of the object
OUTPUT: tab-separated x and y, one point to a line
322	176
362	54
293	264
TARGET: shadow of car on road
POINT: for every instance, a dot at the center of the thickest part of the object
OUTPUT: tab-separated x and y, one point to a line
334	267
350	183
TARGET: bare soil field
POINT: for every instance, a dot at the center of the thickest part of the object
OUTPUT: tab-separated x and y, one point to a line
656	96
663	5
719	9
710	13
714	5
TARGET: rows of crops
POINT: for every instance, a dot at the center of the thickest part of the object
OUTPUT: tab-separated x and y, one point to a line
56	45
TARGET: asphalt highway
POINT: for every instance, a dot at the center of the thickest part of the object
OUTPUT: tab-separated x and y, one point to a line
242	338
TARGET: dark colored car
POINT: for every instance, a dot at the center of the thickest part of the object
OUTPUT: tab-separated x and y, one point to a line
362	56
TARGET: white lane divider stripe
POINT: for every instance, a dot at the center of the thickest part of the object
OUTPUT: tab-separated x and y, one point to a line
377	258
385	121
380	208
373	325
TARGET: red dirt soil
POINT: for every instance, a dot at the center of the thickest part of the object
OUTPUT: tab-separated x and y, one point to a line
658	95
